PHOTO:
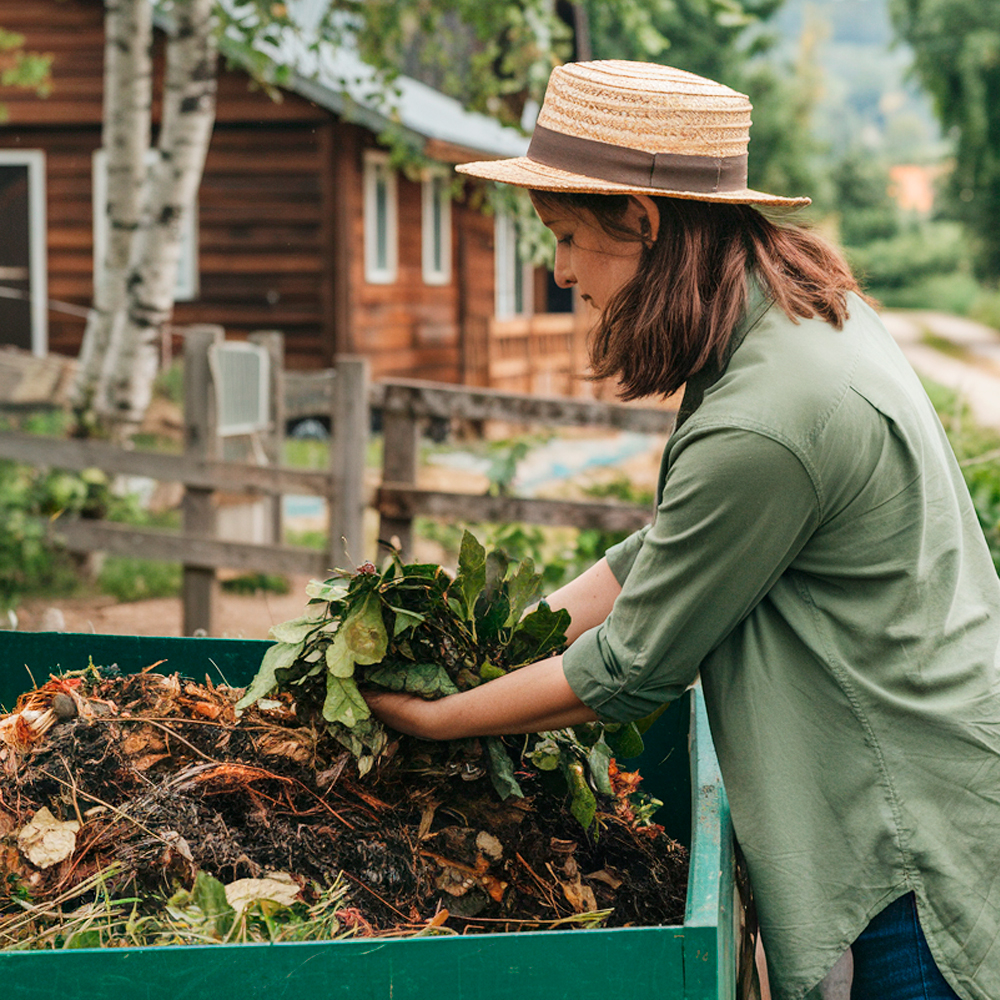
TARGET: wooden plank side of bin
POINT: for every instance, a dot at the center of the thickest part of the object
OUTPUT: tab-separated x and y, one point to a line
580	965
712	915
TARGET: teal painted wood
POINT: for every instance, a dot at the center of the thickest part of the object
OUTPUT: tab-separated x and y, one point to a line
710	920
27	655
575	965
695	961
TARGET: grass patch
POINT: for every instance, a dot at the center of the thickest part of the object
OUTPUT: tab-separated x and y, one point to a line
945	346
256	583
130	579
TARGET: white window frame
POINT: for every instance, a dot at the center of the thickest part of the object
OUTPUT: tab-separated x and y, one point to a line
38	282
436	227
377	172
187	287
513	278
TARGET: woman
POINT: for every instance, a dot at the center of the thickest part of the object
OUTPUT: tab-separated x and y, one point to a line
814	555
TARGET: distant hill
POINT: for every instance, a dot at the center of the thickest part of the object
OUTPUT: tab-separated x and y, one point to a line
868	98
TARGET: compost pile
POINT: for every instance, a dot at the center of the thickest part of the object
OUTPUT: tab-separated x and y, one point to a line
150	808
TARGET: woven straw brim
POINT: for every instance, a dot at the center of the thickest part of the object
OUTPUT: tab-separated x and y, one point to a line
522	172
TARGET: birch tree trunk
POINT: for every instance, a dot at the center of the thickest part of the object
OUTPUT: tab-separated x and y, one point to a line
128	82
188	117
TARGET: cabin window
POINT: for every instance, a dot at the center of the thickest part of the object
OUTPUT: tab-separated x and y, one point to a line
436	227
514	274
381	224
186	288
23	283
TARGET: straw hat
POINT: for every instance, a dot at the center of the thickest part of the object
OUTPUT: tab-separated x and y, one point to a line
616	127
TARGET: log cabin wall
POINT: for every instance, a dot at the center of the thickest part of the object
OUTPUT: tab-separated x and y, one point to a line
281	221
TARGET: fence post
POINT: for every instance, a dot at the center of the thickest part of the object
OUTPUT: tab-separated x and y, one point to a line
349	421
274	343
201	441
399	462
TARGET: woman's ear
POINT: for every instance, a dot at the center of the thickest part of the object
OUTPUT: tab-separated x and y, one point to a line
648	217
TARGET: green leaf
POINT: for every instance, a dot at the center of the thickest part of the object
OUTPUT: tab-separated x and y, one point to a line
406	619
599	764
360	639
209	895
471	577
490	672
429	680
343	702
523	587
540	634
582	804
334	589
624	740
279	656
491	616
546	754
298	628
502	769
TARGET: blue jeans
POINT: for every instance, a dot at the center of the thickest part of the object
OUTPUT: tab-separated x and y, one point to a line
892	960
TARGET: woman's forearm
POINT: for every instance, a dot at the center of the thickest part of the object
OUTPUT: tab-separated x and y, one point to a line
588	598
528	700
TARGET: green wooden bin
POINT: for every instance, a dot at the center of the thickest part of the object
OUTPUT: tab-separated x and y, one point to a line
695	960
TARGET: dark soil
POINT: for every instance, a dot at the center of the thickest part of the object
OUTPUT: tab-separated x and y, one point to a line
166	782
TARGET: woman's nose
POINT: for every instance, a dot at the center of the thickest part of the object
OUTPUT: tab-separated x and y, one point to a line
563	271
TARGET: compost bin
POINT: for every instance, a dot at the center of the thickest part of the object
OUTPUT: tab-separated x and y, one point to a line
695	960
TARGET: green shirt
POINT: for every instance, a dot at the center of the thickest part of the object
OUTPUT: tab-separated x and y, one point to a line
815	556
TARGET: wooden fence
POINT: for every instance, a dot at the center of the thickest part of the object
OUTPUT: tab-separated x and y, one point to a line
406	406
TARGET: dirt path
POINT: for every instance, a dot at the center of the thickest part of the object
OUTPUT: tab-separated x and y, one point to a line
973	370
237	616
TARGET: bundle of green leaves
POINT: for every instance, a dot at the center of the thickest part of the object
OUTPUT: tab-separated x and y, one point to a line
416	628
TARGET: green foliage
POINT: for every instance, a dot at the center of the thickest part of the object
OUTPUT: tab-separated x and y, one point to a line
860	185
956	45
30	561
978	452
131	579
22	69
415	628
256	583
918	253
985	307
91	916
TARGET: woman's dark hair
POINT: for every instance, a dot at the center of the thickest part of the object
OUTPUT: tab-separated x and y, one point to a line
690	289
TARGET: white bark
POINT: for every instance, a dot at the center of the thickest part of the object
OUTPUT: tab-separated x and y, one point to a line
125	137
188	117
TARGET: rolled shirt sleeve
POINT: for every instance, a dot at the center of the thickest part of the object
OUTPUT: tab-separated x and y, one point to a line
736	507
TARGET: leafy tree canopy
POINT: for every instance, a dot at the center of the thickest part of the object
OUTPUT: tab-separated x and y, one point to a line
957	57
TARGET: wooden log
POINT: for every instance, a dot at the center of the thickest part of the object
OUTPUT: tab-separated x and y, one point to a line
401	502
400	432
433	399
201	441
233	477
274	440
195	551
348	448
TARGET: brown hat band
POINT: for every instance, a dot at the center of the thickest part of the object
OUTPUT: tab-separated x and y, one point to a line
636	167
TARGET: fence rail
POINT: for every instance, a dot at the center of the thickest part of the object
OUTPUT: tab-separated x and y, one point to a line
406	405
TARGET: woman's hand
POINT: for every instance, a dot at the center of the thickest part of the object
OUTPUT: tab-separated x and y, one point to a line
406	713
529	700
